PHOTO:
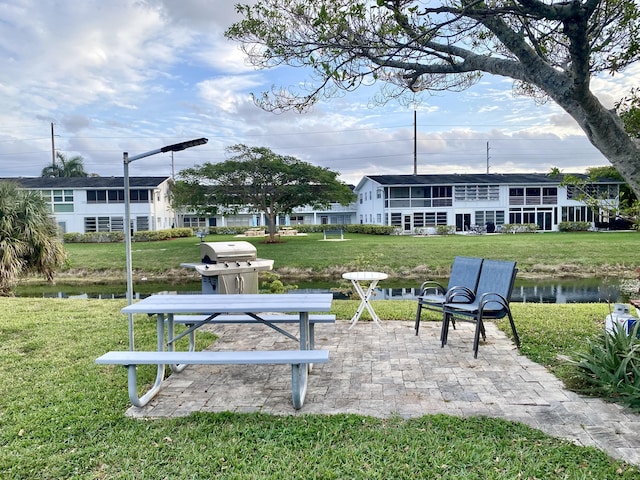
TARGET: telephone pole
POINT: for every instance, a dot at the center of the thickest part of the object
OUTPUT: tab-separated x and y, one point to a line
53	148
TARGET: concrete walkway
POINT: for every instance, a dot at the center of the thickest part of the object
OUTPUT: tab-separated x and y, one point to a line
382	372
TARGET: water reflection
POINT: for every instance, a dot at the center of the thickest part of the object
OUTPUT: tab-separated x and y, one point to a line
583	291
579	291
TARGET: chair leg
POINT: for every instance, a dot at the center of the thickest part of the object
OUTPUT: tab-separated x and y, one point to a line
444	332
476	338
516	338
418	313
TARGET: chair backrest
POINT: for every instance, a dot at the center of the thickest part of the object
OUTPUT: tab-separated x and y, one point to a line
465	272
496	276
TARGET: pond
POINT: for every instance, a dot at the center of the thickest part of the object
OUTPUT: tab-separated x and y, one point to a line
564	291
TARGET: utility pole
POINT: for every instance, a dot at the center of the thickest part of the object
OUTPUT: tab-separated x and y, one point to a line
487	158
415	143
53	148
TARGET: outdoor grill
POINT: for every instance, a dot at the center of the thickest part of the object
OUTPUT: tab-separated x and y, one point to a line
229	267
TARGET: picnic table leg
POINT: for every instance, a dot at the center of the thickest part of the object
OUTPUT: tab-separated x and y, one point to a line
299	375
307	335
132	378
171	345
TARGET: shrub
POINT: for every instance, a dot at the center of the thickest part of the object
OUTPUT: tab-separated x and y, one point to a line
367	229
519	228
574	226
93	237
610	366
446	229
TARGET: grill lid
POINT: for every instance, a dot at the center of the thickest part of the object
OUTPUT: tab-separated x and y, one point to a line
216	252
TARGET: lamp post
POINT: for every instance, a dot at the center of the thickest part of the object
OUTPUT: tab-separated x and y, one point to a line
127	212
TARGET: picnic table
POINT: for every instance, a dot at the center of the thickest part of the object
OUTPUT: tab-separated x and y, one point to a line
196	311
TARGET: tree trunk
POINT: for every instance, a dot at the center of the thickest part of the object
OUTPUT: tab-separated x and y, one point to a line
271	220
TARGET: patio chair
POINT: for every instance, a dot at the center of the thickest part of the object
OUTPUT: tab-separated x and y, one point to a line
491	301
464	275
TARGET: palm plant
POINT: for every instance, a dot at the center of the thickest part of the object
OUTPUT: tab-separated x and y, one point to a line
28	237
67	167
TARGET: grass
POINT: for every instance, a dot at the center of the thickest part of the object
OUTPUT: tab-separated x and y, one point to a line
62	416
538	255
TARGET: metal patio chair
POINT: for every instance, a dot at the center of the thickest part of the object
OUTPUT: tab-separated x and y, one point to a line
465	272
491	301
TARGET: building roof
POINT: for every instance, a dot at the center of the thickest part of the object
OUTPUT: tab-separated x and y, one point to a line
84	183
476	178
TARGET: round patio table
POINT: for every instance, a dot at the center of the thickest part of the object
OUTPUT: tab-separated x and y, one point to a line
365	293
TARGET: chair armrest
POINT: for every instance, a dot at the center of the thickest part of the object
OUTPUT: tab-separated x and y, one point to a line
459	294
431	285
492	297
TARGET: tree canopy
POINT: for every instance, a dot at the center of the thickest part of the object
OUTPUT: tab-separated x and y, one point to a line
67	167
29	240
258	180
551	49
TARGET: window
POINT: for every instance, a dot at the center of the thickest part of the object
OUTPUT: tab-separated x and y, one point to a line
142	223
105	196
442	196
97	196
429	219
115	196
194	222
549	195
482	217
477	192
516	197
61	201
103	224
599	191
139	196
396	219
577	214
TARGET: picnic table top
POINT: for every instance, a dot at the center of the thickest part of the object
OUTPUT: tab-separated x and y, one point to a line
240	303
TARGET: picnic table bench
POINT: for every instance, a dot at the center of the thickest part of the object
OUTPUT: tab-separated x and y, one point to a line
195	311
268	319
335	233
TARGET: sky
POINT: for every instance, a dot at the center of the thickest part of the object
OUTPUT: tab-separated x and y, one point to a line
135	75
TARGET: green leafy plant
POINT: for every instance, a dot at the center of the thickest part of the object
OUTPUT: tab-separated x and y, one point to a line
270	282
610	366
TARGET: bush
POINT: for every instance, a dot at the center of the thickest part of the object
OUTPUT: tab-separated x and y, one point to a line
93	237
574	226
519	228
610	366
367	229
446	229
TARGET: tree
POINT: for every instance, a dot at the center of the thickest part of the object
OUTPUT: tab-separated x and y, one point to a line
28	237
67	167
629	110
257	179
550	48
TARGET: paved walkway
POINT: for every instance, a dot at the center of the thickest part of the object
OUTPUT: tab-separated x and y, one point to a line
382	372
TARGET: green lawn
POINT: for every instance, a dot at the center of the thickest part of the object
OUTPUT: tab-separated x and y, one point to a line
541	254
62	416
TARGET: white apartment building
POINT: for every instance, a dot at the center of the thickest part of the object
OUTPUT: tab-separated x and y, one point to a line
415	203
96	204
